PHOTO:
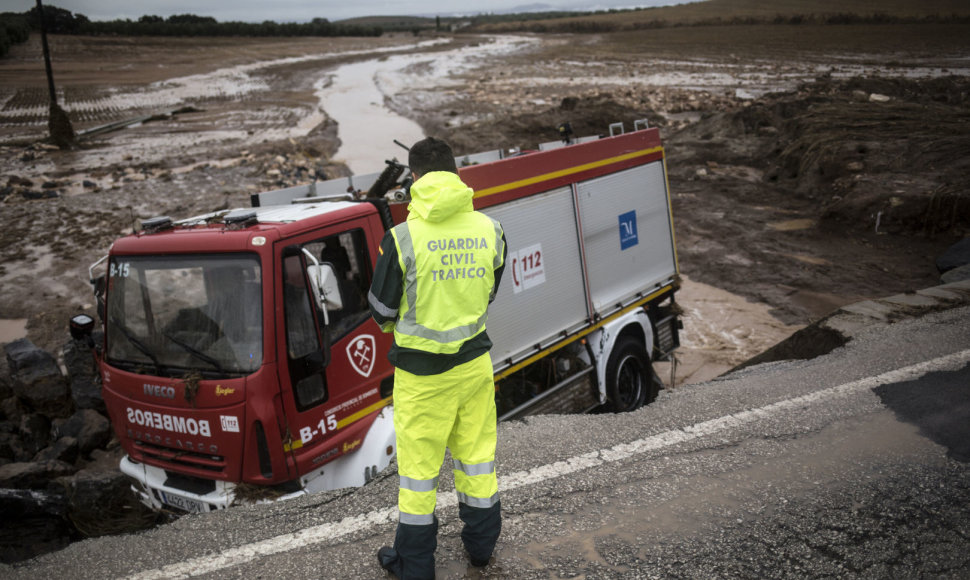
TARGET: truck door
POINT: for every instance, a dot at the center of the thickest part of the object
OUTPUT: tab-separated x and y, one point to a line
305	344
335	352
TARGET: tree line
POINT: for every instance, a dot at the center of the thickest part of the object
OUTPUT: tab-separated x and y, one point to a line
16	27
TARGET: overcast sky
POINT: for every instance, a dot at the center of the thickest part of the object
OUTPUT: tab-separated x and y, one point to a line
303	10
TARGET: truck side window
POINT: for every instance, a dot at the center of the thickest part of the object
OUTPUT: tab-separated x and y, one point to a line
302	339
347	254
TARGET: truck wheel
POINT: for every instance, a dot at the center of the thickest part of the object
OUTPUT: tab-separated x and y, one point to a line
629	377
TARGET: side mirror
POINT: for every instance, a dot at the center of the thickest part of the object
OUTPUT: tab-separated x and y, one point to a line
326	288
100	284
81	327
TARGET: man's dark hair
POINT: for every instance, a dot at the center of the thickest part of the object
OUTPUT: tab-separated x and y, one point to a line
431	154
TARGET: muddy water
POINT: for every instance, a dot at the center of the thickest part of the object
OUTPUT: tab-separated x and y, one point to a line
365	126
12	329
721	330
360	97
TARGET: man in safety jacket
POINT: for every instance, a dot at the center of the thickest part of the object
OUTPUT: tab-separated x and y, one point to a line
433	282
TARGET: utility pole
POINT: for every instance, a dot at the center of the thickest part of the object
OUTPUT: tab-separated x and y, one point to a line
58	123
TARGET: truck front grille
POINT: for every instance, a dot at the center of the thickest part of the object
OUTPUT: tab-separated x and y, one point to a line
176	458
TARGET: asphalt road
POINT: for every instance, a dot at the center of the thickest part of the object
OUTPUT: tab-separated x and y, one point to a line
853	465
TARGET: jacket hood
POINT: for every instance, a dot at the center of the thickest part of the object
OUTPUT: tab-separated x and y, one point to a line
438	195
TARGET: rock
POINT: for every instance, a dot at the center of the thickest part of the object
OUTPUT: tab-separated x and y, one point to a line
90	428
877	98
854	166
860	96
83	376
956	275
33	475
11	448
32	195
64	449
101	502
6	388
273	173
35	432
955	256
11	409
37	380
91	492
17	180
33	523
16	503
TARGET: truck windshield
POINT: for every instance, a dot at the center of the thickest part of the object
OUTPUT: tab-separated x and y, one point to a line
174	315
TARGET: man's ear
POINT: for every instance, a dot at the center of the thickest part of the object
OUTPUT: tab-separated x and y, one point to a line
415	175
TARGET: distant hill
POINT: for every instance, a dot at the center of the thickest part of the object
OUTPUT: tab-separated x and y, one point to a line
737	12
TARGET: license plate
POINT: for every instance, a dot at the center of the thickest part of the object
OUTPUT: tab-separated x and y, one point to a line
183	503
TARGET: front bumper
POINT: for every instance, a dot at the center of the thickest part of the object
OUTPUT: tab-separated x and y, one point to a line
158	490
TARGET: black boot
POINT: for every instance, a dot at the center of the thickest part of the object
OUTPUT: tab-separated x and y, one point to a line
414	546
388	558
481	531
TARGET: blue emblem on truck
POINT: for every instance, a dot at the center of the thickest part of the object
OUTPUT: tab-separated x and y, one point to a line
628	230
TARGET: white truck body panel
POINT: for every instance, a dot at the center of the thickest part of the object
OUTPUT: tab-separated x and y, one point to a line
527	312
644	256
621	234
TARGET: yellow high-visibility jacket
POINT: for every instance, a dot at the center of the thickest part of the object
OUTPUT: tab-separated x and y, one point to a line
438	272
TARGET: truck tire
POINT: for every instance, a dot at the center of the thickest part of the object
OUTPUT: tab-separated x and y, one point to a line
630	380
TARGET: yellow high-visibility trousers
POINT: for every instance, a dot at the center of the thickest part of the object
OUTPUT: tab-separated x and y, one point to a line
454	409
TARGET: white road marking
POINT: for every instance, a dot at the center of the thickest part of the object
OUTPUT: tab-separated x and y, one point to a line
335	530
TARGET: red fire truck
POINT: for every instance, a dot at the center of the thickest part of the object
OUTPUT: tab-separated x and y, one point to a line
238	352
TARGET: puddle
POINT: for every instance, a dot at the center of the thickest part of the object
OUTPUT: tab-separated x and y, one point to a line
792	225
12	329
814	261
